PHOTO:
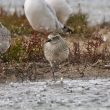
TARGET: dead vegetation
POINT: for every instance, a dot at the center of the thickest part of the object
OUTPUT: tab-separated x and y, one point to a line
89	50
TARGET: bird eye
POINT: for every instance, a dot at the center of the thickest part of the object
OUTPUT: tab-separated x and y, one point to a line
56	37
49	40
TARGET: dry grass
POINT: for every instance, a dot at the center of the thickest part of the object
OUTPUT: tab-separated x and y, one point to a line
86	45
86	42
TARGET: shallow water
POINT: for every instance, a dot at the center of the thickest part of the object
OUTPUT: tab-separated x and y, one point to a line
47	95
97	10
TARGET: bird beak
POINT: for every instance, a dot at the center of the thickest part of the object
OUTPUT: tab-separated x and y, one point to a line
49	40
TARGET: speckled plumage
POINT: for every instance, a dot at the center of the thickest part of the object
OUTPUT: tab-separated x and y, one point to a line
56	50
5	38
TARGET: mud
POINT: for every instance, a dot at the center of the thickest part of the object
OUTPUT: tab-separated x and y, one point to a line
19	72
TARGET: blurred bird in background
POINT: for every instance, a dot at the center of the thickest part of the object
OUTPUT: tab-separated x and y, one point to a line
5	39
63	11
42	17
5	42
47	17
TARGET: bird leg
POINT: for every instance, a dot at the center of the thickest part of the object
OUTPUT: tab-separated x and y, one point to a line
53	69
53	72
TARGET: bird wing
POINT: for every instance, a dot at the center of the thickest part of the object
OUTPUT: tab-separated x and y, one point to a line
62	8
41	16
59	25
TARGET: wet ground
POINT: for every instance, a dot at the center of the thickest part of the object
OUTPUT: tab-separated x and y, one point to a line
82	94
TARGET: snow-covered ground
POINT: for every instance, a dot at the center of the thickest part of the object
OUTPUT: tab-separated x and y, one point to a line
98	10
83	94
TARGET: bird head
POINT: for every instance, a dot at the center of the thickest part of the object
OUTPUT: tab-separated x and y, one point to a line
53	38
